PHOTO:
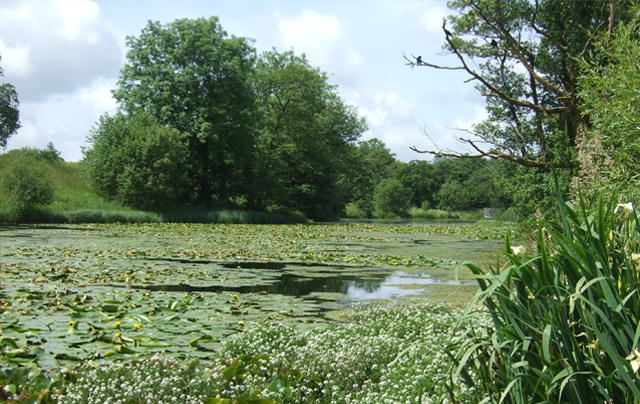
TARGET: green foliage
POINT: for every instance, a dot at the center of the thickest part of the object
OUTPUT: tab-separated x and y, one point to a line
304	138
25	180
565	317
390	197
383	352
192	77
231	216
466	184
532	191
418	178
137	161
99	216
50	154
608	90
9	114
371	162
29	384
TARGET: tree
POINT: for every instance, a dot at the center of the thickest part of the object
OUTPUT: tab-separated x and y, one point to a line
305	133
194	78
9	114
471	183
371	162
390	196
523	55
137	161
418	178
50	154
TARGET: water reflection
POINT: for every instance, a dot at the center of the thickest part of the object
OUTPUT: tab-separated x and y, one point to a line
368	285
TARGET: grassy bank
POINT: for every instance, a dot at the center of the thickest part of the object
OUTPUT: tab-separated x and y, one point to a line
75	202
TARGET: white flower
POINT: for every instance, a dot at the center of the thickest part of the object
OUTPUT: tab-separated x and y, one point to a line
519	250
634	358
628	207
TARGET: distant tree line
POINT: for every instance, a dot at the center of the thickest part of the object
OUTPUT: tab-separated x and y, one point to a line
383	184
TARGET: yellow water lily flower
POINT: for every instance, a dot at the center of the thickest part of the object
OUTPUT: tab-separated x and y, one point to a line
118	334
241	323
118	323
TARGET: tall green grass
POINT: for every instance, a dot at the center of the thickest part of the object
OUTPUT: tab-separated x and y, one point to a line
566	318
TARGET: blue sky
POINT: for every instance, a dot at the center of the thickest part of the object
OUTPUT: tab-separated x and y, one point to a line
64	57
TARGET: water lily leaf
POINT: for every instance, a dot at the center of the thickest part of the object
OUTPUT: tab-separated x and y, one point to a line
216	401
109	308
64	356
124	349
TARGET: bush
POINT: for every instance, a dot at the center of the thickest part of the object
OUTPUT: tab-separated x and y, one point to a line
137	161
26	181
565	318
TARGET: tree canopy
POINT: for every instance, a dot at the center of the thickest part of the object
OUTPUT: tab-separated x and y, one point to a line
263	133
192	76
524	55
9	114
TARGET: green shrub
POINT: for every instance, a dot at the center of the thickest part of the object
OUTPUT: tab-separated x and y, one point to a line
565	317
137	161
25	182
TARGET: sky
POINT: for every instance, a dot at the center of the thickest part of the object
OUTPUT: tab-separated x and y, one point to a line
64	58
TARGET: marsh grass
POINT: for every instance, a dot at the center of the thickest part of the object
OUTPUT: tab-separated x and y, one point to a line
565	318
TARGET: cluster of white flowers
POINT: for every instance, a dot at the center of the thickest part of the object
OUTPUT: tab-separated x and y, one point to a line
154	380
386	355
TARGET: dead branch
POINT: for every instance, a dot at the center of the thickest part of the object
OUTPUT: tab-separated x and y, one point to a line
494	154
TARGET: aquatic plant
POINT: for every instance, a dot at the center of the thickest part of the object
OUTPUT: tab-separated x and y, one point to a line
565	318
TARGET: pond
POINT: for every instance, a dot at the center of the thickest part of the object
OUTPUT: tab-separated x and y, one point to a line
116	292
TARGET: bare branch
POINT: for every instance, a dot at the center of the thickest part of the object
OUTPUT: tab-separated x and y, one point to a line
494	154
419	62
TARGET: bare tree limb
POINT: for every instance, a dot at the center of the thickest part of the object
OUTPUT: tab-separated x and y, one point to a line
494	154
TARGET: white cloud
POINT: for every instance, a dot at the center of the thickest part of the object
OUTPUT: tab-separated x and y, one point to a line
64	119
55	47
15	60
432	18
324	41
79	20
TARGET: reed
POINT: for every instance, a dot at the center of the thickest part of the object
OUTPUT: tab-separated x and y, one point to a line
565	319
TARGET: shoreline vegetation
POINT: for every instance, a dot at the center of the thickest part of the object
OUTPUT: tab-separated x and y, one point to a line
556	321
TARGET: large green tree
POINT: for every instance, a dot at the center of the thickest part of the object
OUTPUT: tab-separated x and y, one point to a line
305	135
192	76
9	114
418	178
523	56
